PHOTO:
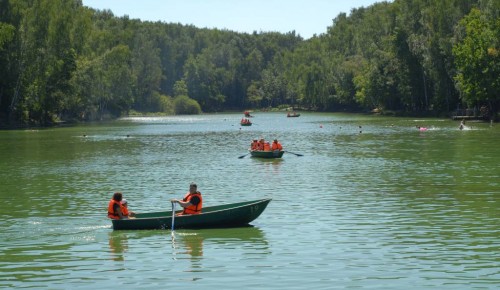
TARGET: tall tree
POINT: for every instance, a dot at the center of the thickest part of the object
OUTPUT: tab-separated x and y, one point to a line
477	56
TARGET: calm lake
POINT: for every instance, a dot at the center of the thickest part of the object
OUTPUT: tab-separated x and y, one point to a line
374	203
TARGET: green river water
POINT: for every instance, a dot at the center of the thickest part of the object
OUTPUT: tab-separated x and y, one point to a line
374	203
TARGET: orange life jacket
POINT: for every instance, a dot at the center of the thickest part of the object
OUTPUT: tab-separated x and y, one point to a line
267	147
192	209
124	210
276	146
255	146
111	213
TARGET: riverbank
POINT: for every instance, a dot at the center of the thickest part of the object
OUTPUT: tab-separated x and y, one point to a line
5	125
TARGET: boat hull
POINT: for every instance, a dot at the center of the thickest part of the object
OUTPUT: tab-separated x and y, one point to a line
267	154
221	216
246	124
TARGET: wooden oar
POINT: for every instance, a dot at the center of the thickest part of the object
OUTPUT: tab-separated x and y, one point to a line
243	155
172	234
173	217
294	153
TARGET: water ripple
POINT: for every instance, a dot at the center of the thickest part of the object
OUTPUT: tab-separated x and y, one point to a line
380	206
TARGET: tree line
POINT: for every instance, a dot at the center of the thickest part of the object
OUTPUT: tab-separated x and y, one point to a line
62	61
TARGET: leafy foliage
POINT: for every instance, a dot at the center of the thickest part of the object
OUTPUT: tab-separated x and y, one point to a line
186	106
63	61
477	57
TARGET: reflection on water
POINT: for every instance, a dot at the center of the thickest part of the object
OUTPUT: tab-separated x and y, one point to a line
188	244
118	245
192	243
266	166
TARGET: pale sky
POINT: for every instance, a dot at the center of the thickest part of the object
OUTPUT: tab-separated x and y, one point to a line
305	17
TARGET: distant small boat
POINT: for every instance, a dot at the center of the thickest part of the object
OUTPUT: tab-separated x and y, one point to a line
245	122
293	115
220	216
267	154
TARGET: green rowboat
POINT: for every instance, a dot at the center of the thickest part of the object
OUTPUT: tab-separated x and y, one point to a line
220	216
267	154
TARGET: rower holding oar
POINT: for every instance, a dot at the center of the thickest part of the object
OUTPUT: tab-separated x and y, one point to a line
192	201
276	145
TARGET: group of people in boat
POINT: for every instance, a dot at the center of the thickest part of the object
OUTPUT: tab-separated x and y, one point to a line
263	145
245	121
191	204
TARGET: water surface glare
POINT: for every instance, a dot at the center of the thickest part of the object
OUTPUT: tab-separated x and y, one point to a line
373	203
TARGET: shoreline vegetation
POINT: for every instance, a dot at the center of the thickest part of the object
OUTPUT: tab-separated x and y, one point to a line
108	118
65	63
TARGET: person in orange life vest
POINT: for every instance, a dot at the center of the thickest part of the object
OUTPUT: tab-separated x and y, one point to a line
115	207
261	144
192	201
125	211
267	146
276	145
255	145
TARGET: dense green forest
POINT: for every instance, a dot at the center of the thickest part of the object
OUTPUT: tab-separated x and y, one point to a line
62	61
